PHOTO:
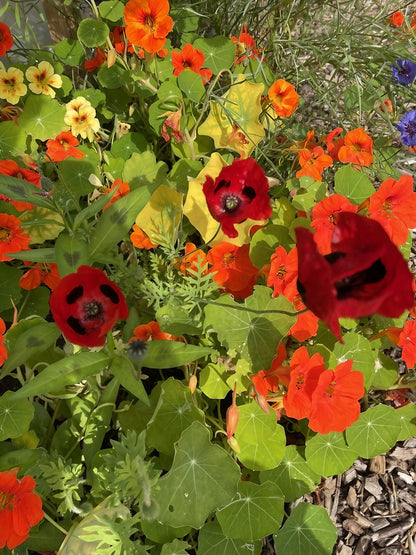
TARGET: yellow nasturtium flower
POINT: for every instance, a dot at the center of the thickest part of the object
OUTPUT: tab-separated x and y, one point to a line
80	116
42	78
11	85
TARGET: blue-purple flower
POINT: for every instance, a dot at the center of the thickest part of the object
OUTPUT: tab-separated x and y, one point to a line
407	72
407	127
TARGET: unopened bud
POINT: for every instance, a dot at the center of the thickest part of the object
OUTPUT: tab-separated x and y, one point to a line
262	402
231	418
111	57
233	443
192	383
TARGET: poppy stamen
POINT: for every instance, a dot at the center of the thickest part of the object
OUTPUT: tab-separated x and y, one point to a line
231	203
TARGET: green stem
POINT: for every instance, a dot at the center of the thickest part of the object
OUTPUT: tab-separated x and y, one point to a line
253	310
55	524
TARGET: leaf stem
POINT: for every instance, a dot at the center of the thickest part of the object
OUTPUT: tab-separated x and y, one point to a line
254	310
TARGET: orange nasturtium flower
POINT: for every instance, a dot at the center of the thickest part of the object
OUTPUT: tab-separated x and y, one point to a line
407	341
284	98
12	237
306	325
140	240
173	122
3	350
268	380
150	332
6	39
283	272
10	167
393	205
97	61
42	272
20	508
62	147
148	23
11	85
193	259
42	78
245	47
313	163
357	148
190	59
396	19
122	191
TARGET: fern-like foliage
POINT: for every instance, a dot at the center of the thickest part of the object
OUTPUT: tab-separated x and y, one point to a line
65	482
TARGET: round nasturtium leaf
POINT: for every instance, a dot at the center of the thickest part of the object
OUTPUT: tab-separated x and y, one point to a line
92	32
43	117
255	512
375	432
41	224
329	454
212	381
111	9
293	475
219	52
212	541
407	416
15	416
307	530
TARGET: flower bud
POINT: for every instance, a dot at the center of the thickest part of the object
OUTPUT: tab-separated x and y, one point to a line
231	418
192	383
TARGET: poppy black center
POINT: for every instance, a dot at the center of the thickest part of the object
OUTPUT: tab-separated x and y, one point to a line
231	203
346	286
92	310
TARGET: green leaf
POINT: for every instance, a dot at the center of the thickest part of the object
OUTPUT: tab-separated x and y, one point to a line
117	220
160	533
261	439
174	319
162	353
43	117
41	224
212	381
255	512
353	184
174	412
74	182
212	541
45	537
191	84
15	416
112	10
219	52
255	336
12	139
176	547
143	170
20	189
9	290
181	171
307	530
69	51
385	372
35	301
357	348
110	77
375	432
407	416
203	477
293	475
36	255
265	241
128	144
92	32
329	454
71	251
127	375
67	371
37	339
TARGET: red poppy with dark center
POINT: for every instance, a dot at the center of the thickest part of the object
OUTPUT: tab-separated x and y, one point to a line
191	59
20	509
239	192
363	274
6	39
86	305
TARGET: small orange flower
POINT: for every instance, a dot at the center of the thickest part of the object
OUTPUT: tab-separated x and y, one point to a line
393	205
10	167
173	122
245	47
3	350
191	59
283	272
97	61
140	240
190	262
122	191
307	323
268	380
324	217
387	105
40	273
357	148
407	341
396	19
284	98
150	332
20	508
313	163
12	237
147	23
6	39
333	146
120	42
62	147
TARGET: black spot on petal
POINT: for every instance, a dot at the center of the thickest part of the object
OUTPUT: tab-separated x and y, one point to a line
75	294
222	184
75	324
110	293
334	256
345	287
249	192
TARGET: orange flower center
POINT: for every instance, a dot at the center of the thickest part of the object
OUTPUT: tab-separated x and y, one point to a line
5	234
228	258
281	272
387	206
5	499
333	218
64	144
330	390
300	380
150	23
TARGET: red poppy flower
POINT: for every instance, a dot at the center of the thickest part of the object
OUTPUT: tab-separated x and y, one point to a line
147	23
407	341
40	273
12	237
239	192
304	376
3	350
232	269
97	61
364	274
140	240
283	272
10	167
20	509
122	191
324	217
245	47
393	205
150	332
334	403
357	148
62	147
6	39
86	305
191	59
193	259
283	97
313	163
